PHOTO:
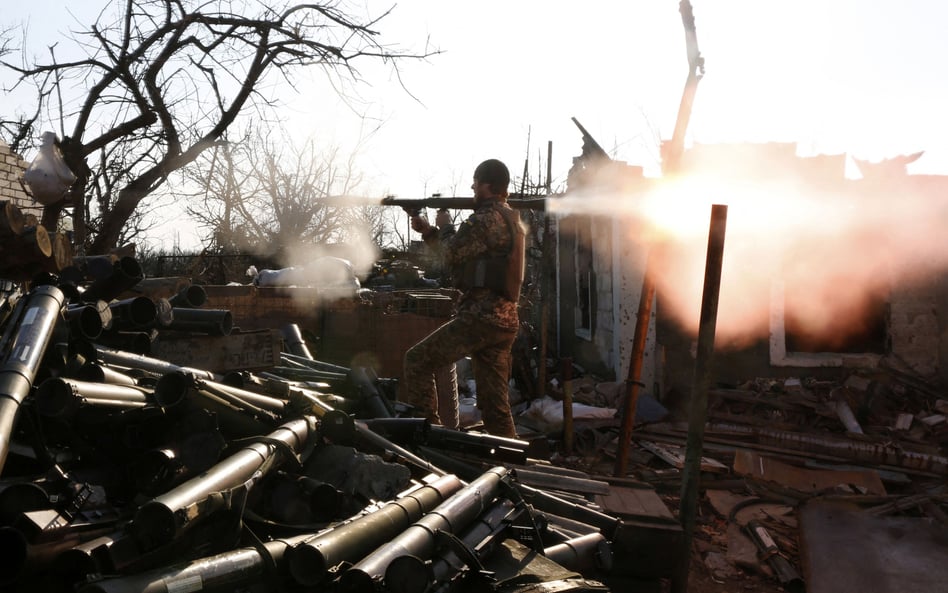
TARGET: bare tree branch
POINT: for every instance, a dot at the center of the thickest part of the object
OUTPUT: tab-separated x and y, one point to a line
172	76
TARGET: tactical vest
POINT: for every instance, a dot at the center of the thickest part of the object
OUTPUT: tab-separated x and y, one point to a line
501	273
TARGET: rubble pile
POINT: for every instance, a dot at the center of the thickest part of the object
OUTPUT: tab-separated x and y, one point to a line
121	471
807	484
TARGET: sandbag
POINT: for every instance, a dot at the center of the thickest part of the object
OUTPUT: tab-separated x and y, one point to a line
48	176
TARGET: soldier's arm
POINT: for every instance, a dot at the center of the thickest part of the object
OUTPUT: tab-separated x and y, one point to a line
470	240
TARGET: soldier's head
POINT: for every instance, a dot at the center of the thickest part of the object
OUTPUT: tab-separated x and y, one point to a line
491	179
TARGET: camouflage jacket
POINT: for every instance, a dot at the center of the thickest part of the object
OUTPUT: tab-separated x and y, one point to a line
484	232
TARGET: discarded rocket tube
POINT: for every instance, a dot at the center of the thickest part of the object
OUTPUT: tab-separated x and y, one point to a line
303	397
125	273
227	571
61	397
215	322
583	554
179	391
294	341
189	297
373	404
22	347
419	539
100	373
135	313
84	321
420	431
410	574
310	561
152	365
164	517
540	499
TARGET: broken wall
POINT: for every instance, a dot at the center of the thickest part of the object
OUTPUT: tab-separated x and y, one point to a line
12	167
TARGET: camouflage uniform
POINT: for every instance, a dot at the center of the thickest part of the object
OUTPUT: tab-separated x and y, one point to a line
484	328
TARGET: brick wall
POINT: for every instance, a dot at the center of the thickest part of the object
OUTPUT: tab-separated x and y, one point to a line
12	166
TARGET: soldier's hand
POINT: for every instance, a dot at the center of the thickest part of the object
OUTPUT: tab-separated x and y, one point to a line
443	219
420	224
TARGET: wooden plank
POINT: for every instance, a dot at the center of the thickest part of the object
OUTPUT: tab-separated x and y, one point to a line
675	456
641	504
749	463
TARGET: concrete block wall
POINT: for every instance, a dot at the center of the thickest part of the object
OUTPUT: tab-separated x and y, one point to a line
12	167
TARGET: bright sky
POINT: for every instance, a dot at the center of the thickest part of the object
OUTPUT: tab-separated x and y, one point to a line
866	77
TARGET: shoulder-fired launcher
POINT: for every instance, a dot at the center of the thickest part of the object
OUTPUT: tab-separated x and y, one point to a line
415	205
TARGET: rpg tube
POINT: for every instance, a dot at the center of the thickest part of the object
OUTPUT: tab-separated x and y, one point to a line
410	574
420	431
146	363
165	517
100	373
126	272
135	342
223	572
23	346
84	321
373	404
294	341
61	397
215	322
178	391
135	313
420	538
189	297
310	561
23	557
584	554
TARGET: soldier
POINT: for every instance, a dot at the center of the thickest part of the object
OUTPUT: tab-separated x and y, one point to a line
485	259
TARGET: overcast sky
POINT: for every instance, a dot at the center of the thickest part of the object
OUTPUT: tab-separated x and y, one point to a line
864	77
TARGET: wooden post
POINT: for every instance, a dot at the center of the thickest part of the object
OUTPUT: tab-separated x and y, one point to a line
698	410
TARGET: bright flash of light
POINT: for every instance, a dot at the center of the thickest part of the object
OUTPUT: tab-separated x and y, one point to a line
835	248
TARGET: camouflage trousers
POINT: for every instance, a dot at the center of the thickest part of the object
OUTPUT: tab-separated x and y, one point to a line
489	349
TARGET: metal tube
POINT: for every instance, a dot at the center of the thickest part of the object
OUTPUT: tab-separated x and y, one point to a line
125	273
191	296
181	391
310	561
58	396
582	554
152	365
164	517
99	373
216	322
226	571
133	314
294	341
419	539
410	574
23	346
698	412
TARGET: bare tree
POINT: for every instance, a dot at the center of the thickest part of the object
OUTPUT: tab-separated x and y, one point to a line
266	197
165	79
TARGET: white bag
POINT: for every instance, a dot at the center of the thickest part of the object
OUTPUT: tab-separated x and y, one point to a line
48	176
